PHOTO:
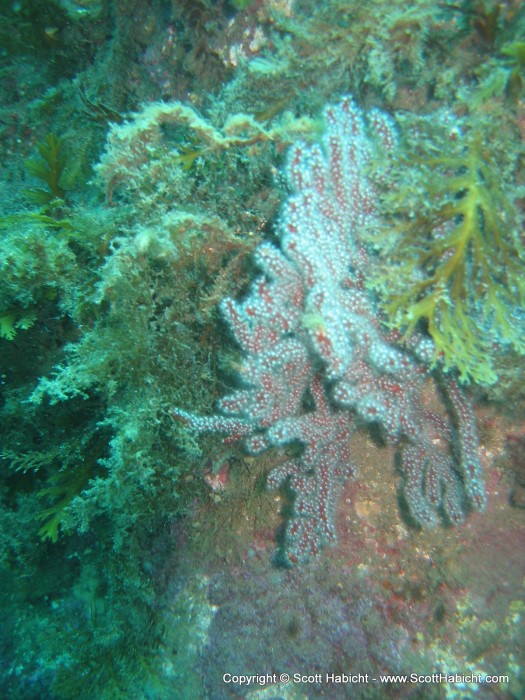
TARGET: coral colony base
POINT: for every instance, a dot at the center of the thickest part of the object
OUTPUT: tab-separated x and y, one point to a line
319	361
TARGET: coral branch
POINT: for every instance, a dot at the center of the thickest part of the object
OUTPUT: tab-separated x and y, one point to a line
318	360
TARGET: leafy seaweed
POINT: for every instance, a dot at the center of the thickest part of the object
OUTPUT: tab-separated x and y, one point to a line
51	169
458	259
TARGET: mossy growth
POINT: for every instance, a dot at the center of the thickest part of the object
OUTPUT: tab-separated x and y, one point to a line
515	63
241	4
11	321
502	76
50	253
237	514
60	473
35	267
480	16
63	486
454	262
48	267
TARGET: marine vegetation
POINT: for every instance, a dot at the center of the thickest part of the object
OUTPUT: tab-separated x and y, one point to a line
44	250
50	170
453	257
143	146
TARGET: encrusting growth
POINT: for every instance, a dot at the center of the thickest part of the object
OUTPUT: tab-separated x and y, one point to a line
319	361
